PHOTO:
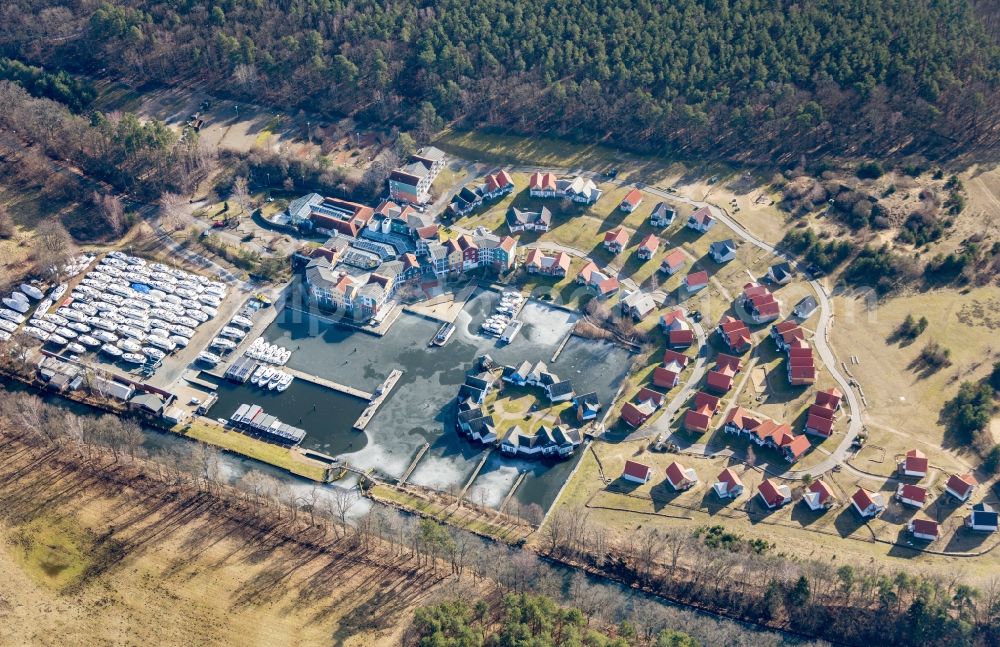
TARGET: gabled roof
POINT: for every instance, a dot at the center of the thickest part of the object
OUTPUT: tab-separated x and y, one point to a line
634	415
819	423
742	418
829	398
823	490
618	236
637	470
650	243
696	278
674	259
707	401
722	247
670	356
961	484
729	477
915	461
770	492
542	181
912	492
647	394
633	198
719	381
924	527
608	285
702	216
864	499
664	378
662	209
796	446
676	473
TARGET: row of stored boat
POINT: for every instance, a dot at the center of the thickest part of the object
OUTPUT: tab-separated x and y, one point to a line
495	324
269	377
268	353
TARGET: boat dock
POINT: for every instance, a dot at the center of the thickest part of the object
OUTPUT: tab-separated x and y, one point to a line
562	345
510	332
413	464
444	333
375	401
510	493
472	478
241	369
192	377
330	384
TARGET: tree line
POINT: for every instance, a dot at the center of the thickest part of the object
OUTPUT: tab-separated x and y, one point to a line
738	79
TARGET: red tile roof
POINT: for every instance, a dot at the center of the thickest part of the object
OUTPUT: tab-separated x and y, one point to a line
673	356
829	398
863	499
681	337
912	492
796	446
587	270
924	527
823	490
636	470
819	424
608	285
696	421
915	461
769	491
674	259
961	484
742	419
696	278
675	473
702	215
633	415
719	381
507	243
619	236
650	243
730	478
649	394
664	378
704	400
544	181
633	198
821	411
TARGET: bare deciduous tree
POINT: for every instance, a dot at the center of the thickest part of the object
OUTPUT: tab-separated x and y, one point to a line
241	193
53	246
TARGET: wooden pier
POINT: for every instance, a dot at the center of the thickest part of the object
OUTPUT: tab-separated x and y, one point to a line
472	478
192	377
376	400
413	464
330	384
510	493
561	346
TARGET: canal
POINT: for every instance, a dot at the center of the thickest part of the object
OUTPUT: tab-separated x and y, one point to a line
421	407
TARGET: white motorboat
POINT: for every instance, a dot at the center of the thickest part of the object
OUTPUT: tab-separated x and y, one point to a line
78	327
73	315
210	311
183	331
129	345
87	340
43	306
208	358
265	377
285	355
134	358
10	315
285	382
7	326
104	324
37	333
16	305
111	349
32	291
85	308
153	353
57	340
197	315
74	347
58	291
223	343
272	384
255	378
232	333
4	335
239	320
187	321
129	331
44	325
105	336
63	331
52	317
181	342
104	306
162	343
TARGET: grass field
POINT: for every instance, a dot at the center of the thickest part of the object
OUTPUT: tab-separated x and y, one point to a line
836	536
214	434
87	562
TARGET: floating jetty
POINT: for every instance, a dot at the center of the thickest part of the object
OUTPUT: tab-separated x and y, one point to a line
381	393
413	464
252	418
241	369
330	384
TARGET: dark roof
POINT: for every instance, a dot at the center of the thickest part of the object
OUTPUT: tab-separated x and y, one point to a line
984	515
781	270
560	388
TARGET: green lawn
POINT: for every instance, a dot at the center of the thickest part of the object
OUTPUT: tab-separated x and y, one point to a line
53	551
287	459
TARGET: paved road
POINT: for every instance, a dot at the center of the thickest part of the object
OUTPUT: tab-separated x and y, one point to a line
822	328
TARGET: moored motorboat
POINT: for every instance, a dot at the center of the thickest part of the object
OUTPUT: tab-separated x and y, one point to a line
134	358
112	350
